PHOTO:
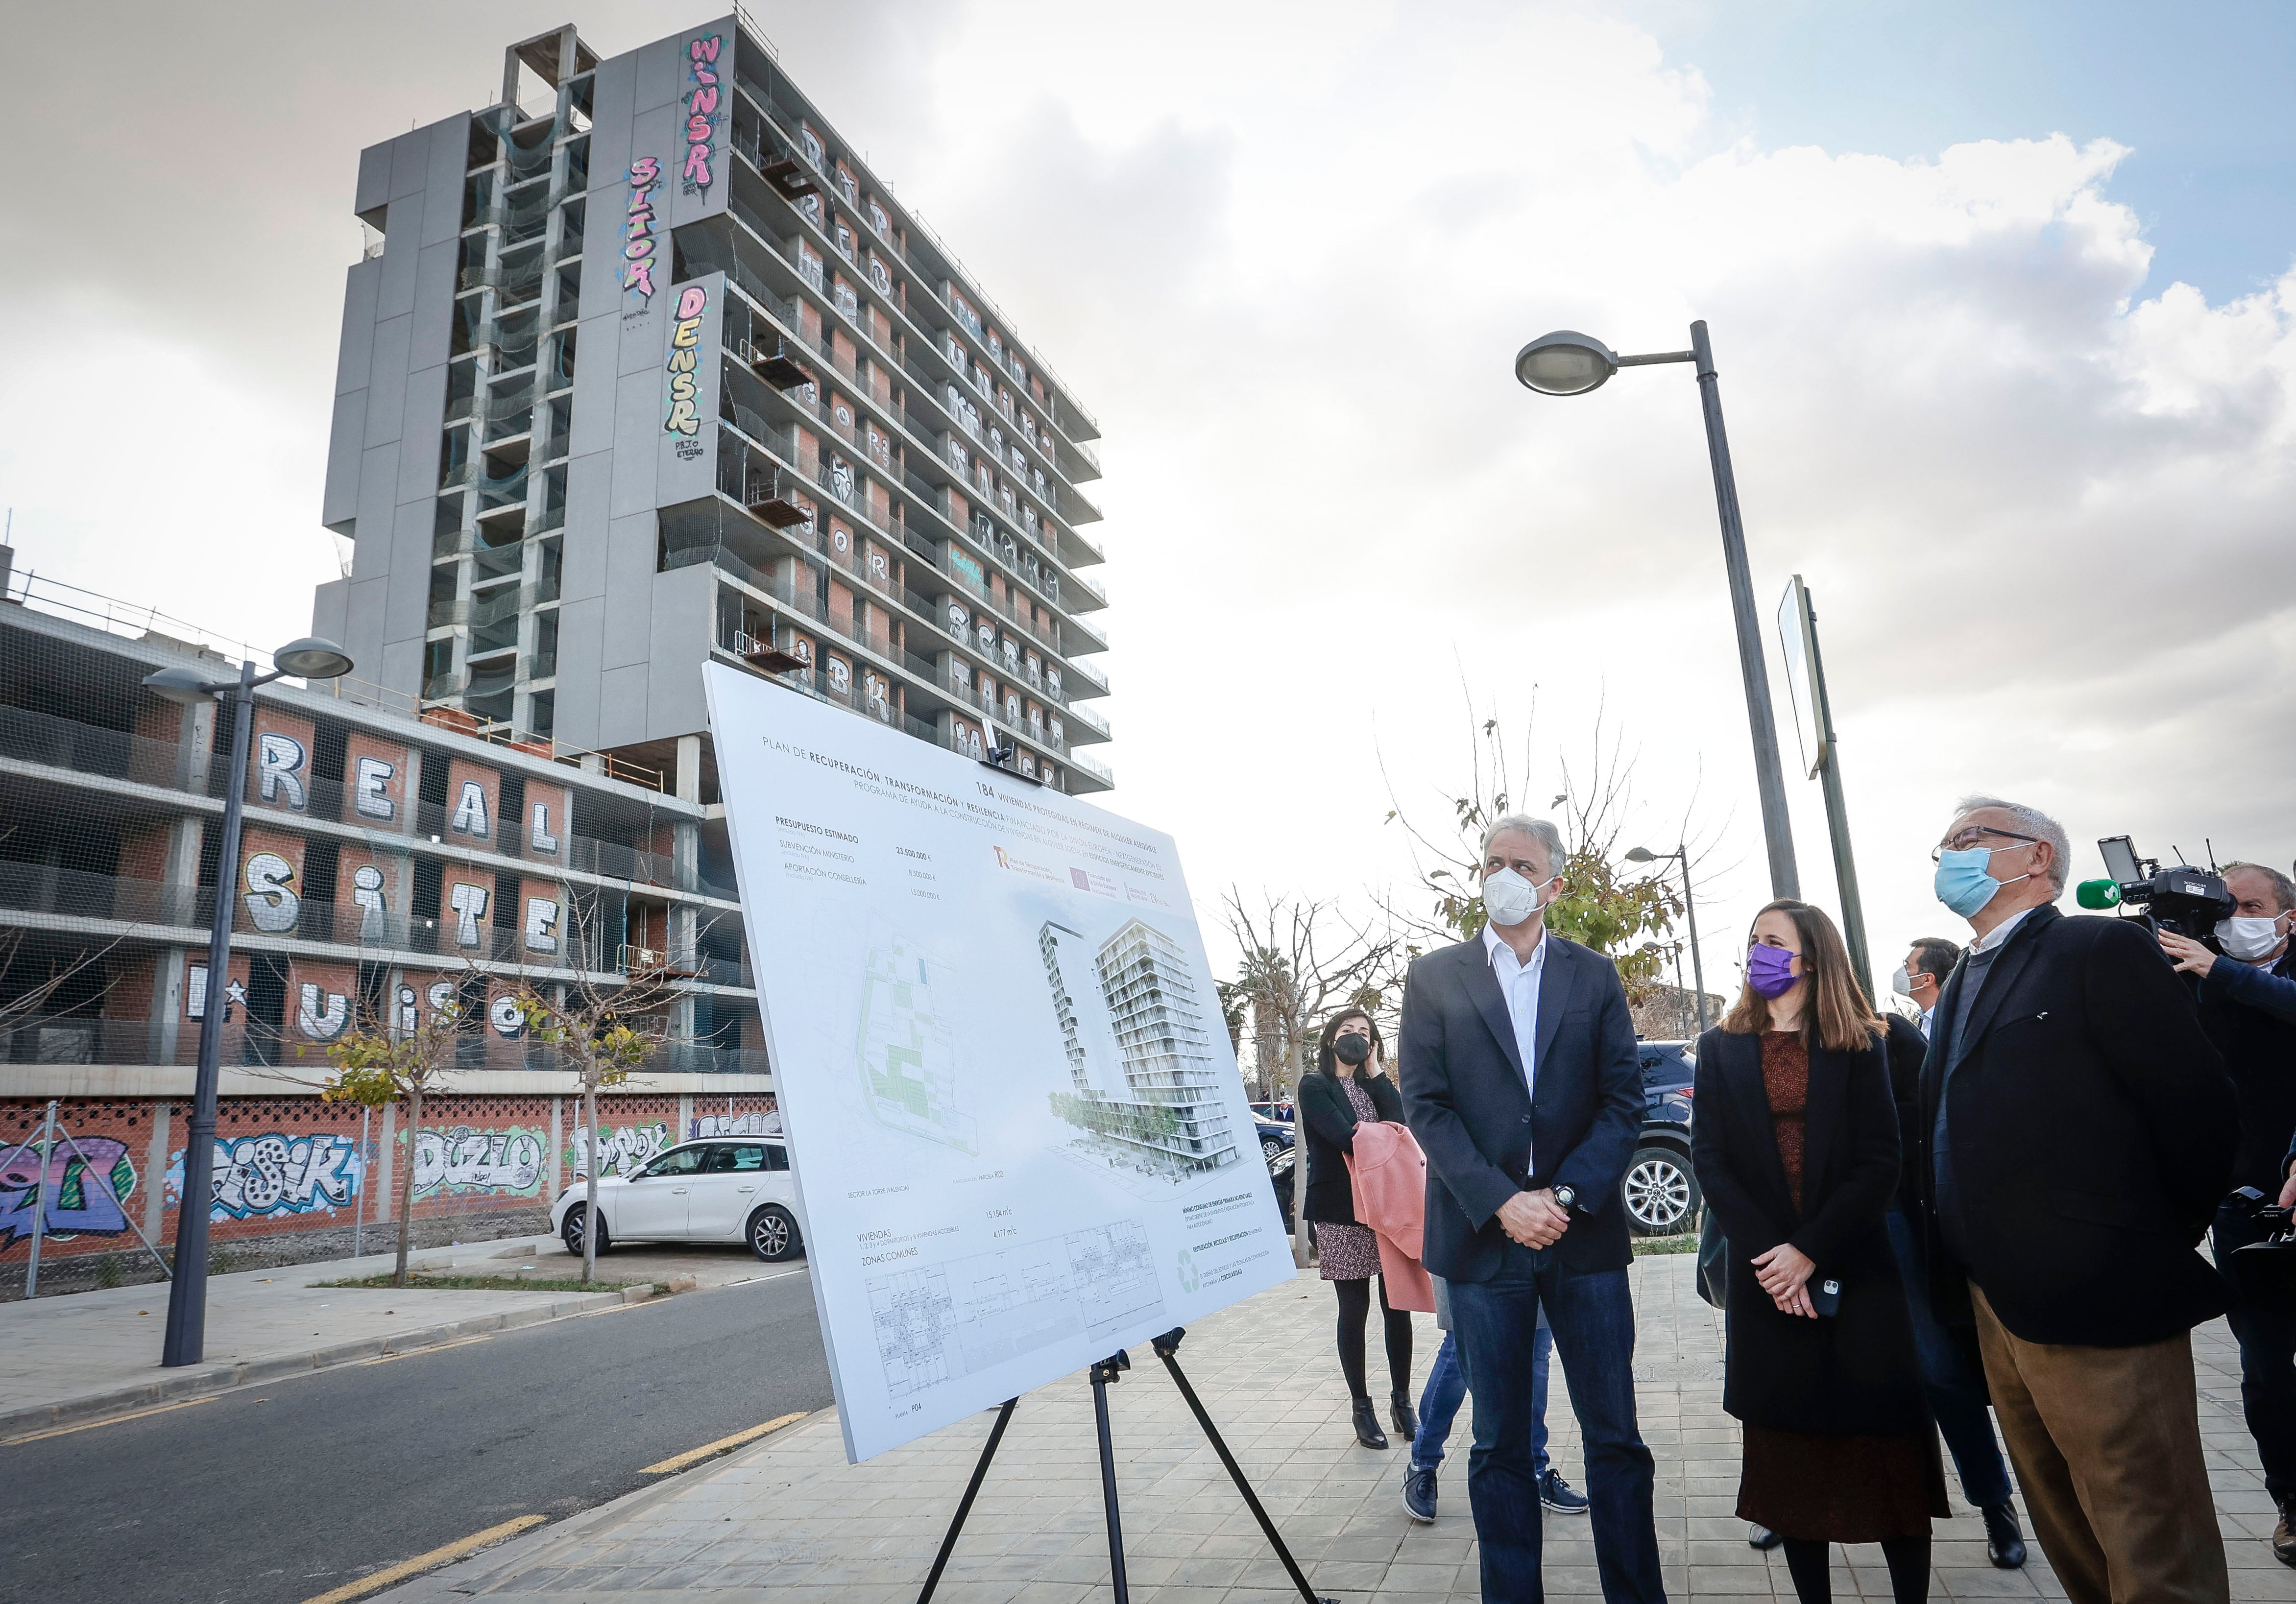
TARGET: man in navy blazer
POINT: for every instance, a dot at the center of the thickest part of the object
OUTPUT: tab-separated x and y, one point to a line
1520	1080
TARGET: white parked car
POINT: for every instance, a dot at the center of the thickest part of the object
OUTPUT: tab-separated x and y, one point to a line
724	1190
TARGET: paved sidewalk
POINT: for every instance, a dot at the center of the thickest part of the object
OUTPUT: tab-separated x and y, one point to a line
87	1356
788	1520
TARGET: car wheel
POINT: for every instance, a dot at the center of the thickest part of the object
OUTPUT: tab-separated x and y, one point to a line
570	1233
773	1234
1660	1192
1270	1146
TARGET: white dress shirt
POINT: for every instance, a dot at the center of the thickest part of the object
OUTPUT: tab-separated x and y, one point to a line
1519	987
1928	1014
1998	934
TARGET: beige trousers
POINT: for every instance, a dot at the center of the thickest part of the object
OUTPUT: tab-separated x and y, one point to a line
2107	1445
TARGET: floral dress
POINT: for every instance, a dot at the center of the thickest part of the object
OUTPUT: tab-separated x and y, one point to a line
1350	1252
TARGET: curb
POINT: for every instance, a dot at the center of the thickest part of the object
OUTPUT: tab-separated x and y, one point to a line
91	1407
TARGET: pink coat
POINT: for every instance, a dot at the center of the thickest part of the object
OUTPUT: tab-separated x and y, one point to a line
1389	1173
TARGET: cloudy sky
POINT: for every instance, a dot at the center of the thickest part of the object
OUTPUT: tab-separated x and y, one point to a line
2001	304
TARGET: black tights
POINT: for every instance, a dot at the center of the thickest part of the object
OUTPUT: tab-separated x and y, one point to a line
1909	1569
1354	1310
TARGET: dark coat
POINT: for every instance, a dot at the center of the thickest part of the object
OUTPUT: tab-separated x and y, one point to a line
1463	1097
2246	1013
1853	1373
2092	1128
1327	1121
1906	1049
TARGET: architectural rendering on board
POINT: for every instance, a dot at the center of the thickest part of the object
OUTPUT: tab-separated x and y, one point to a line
644	367
1144	1081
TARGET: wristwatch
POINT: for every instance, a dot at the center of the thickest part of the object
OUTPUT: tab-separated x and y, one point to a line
1568	1198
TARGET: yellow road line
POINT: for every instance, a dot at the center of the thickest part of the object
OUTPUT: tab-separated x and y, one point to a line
114	1421
436	1348
424	1562
678	1461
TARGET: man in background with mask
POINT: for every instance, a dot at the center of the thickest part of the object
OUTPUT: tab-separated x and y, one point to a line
1521	1082
2248	1007
2076	1133
1923	974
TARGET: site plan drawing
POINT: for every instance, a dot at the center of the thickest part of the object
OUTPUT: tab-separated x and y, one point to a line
1012	1108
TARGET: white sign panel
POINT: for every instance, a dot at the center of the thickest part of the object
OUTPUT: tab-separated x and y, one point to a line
1021	1139
1796	639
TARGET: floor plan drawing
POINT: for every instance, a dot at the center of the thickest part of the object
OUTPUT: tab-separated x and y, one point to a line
937	1322
906	1056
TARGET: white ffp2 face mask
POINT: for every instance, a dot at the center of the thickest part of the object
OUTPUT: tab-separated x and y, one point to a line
1509	898
1901	982
2248	939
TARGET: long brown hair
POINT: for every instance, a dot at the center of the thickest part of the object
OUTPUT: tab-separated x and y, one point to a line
1837	1014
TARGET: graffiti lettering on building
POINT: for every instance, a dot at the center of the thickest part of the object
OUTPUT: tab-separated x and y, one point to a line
621	1148
469	903
279	1171
541	925
279	770
81	1191
471	812
684	418
464	1161
637	231
701	112
371	789
271	904
753	1124
321	1014
367	893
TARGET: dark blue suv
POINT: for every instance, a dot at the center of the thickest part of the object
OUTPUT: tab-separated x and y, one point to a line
1659	1191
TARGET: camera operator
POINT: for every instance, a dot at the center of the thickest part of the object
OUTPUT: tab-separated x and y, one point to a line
1922	976
2248	1007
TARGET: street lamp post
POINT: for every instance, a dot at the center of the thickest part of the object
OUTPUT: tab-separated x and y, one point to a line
307	659
1643	854
1570	363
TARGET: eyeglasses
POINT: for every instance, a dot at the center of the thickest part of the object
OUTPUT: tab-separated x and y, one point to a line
1969	838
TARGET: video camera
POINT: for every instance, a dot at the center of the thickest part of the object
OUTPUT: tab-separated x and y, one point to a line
2191	902
2265	1272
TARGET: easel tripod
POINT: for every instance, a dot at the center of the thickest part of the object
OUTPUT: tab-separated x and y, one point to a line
1105	1374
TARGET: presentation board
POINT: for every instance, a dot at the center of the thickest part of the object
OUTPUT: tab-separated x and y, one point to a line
1019	1136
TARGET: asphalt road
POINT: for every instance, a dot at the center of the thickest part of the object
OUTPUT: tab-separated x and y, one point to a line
274	1494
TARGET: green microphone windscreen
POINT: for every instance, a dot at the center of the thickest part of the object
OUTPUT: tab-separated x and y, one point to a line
2098	894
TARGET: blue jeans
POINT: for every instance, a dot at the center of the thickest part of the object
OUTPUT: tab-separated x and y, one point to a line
1497	1324
1445	1389
1954	1385
2267	1366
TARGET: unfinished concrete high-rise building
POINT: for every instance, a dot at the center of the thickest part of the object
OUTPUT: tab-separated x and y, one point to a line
644	367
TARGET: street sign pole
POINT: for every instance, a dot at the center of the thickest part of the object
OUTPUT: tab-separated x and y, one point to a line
1822	754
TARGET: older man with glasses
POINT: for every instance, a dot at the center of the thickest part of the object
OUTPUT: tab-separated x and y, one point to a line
2076	1130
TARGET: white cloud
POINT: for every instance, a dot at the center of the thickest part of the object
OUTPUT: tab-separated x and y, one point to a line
1286	253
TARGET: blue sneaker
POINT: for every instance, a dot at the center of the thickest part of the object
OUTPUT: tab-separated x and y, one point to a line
1557	1495
1418	1494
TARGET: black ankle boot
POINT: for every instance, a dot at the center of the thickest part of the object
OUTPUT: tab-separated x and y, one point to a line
1367	1431
2005	1544
1400	1412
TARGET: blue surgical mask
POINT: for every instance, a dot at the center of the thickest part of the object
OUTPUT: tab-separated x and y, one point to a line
1962	882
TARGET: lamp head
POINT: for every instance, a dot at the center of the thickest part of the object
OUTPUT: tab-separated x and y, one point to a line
182	686
1565	363
312	658
1641	854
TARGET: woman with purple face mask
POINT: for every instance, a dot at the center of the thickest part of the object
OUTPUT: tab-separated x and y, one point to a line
1796	1149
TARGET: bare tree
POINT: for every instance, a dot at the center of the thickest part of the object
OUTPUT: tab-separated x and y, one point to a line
380	1062
602	1033
1605	901
1300	960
